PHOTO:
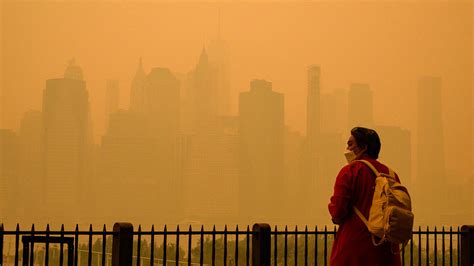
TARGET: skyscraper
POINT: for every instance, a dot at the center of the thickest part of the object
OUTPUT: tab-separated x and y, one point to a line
31	179
334	112
126	167
313	107
137	93
9	174
66	141
261	151
210	173
360	109
333	137
396	151
430	130
311	151
204	93
219	59
162	112
112	94
162	101
293	142
430	138
73	71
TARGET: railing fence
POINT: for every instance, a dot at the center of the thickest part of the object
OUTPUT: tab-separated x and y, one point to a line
259	246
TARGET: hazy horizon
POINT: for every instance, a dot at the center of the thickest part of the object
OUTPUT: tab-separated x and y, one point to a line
388	45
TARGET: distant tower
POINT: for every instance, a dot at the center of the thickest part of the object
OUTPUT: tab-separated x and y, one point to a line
137	93
431	161
112	95
430	179
204	93
360	109
334	112
31	181
261	150
126	167
211	158
219	59
66	141
73	71
313	107
162	112
162	103
397	151
310	177
9	168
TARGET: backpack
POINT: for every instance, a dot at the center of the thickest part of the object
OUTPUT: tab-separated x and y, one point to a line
390	216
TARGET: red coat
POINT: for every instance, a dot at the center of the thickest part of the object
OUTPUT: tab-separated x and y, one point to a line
353	245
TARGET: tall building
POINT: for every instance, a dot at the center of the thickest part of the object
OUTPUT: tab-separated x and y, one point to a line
330	161
313	107
334	112
31	179
126	167
292	183
319	167
396	152
219	59
112	95
137	93
187	102
67	142
309	178
73	71
430	138
162	112
261	151
360	106
210	173
204	93
9	175
162	103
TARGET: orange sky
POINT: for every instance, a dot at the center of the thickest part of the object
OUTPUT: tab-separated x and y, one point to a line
388	45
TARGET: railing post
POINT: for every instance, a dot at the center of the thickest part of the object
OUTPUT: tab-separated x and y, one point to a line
122	244
26	252
467	245
261	243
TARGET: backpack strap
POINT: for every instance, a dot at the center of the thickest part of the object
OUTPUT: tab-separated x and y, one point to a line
391	173
361	216
370	166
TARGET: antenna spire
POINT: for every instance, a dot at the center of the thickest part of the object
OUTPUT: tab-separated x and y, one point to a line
219	24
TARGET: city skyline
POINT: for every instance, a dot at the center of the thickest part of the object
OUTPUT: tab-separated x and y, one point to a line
319	162
184	115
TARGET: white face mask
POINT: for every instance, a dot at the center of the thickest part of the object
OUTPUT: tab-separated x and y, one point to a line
350	156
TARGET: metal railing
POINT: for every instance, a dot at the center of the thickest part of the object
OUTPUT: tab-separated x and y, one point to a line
257	246
18	255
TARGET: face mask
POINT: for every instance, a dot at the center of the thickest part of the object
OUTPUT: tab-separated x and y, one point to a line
350	156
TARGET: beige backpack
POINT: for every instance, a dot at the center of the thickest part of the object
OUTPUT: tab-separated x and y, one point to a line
390	217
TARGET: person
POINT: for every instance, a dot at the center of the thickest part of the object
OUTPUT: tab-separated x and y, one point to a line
355	186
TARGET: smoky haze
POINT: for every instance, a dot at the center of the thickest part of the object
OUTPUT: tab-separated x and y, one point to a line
220	112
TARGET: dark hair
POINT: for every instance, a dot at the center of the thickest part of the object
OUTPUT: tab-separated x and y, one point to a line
366	137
